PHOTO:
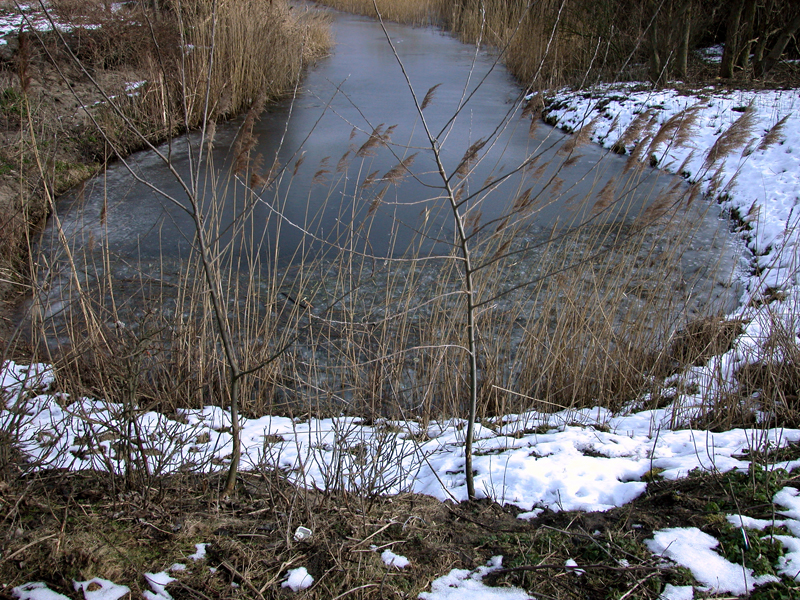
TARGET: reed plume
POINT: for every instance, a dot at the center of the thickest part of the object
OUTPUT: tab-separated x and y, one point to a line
774	134
370	180
377	138
341	166
469	158
401	170
635	159
606	196
677	130
736	136
634	130
429	97
579	138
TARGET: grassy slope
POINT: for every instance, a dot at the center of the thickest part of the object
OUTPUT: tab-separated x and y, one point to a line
61	527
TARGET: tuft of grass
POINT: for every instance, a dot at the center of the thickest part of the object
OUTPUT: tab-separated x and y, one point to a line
734	138
413	12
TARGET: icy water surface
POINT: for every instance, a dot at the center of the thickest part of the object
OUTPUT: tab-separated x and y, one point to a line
332	191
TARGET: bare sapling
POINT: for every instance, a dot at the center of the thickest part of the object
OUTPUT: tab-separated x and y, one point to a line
586	337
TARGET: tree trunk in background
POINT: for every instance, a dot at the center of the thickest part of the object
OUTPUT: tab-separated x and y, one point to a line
747	36
764	66
153	5
731	50
670	37
682	62
655	53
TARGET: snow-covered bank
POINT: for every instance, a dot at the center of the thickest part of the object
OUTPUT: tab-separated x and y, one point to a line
758	181
574	460
753	172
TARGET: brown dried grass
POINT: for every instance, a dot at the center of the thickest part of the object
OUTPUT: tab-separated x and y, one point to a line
734	138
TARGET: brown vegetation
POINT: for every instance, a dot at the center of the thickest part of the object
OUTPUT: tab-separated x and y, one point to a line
582	318
586	316
578	42
62	527
67	104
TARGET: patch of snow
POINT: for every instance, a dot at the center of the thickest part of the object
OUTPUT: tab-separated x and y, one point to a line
693	549
677	592
32	17
15	378
390	559
101	589
760	181
36	591
572	567
712	54
462	584
158	583
789	564
132	86
570	467
200	553
787	499
746	522
299	579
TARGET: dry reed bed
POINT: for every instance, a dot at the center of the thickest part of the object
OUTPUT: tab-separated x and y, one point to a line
582	315
67	106
544	44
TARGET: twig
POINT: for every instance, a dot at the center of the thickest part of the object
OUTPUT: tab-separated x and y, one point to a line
635	587
192	590
361	587
230	568
277	576
562	567
372	535
33	543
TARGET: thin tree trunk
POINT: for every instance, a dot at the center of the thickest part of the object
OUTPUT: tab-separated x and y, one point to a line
762	34
731	40
682	66
748	19
655	53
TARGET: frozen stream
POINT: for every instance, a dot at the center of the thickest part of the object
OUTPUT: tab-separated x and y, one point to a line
321	204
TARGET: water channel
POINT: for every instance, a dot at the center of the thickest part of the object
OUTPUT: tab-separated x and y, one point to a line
333	191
